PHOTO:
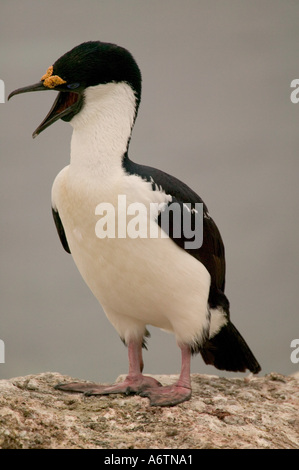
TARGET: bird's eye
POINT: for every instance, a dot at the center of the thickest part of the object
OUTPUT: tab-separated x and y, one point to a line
72	86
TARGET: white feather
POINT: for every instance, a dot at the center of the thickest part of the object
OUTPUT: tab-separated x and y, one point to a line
218	320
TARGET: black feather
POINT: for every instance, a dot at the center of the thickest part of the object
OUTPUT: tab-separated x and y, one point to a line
60	230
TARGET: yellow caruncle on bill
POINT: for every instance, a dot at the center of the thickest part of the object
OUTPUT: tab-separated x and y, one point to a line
51	81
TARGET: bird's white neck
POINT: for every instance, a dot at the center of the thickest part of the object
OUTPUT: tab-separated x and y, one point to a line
102	129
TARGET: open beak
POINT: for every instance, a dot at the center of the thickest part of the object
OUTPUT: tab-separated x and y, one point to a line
66	105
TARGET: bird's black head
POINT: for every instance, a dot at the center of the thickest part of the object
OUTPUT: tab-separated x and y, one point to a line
89	64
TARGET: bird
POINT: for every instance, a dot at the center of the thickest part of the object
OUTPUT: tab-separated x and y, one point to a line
140	280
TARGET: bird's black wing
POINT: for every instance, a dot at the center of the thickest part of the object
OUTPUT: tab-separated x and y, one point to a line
211	252
227	349
60	230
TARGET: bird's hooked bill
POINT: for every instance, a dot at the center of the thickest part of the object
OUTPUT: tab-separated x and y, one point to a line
63	107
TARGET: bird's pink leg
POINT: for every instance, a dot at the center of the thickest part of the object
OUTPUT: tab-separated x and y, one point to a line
178	392
135	382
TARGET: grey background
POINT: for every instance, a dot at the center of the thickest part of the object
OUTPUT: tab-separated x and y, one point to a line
216	113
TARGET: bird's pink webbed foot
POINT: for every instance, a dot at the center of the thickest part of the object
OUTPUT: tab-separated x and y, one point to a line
135	382
131	385
176	393
170	395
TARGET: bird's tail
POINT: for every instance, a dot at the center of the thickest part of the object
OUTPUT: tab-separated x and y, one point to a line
228	350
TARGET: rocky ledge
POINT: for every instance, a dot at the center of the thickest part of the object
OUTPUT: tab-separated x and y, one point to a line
223	413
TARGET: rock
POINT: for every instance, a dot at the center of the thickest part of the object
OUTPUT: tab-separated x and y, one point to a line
229	413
